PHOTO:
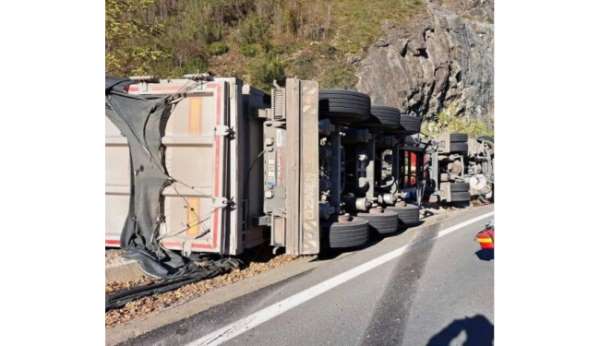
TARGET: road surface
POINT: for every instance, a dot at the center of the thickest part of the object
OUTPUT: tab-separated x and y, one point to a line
431	287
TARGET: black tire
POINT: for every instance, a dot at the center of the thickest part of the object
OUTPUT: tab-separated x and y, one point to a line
459	147
348	234
410	124
386	117
459	187
463	196
481	139
344	106
382	223
407	216
459	137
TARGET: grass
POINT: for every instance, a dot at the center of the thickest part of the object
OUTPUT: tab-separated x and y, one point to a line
448	122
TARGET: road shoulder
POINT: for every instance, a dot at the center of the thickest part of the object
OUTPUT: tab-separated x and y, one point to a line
177	312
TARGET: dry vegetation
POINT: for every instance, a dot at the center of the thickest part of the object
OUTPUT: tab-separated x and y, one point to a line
257	40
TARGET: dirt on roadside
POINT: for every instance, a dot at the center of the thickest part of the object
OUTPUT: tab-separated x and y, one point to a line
258	262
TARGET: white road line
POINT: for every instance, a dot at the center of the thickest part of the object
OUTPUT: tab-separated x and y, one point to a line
234	329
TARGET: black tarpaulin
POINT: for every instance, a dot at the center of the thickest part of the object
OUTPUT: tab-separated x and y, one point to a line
142	120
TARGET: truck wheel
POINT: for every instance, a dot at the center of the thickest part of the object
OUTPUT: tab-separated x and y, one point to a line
482	139
460	196
459	187
383	223
407	216
348	234
459	147
410	124
344	106
459	137
386	117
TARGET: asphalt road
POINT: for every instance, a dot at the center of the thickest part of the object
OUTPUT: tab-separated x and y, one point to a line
437	292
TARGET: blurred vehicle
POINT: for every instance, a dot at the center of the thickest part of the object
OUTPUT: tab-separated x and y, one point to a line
486	237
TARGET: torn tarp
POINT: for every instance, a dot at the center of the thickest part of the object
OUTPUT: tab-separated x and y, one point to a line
142	120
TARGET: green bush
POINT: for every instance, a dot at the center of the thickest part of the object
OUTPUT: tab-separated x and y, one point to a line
264	70
249	50
254	30
304	66
448	121
218	48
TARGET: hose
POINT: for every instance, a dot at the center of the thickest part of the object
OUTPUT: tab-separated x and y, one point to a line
214	268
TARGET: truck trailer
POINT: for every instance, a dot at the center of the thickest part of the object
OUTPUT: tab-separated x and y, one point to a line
206	164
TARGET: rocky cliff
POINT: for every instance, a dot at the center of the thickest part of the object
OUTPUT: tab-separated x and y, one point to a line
441	61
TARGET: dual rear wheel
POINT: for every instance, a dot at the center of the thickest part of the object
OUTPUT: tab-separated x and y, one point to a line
355	231
347	107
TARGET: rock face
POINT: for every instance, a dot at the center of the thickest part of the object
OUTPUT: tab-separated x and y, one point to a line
441	60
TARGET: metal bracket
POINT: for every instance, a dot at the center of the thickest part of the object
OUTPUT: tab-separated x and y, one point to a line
220	202
186	248
278	103
223	130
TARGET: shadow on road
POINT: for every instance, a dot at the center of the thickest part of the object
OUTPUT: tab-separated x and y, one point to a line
485	254
478	329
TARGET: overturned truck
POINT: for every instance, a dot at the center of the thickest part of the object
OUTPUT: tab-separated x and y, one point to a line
213	165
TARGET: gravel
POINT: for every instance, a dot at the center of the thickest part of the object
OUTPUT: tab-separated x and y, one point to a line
262	262
114	286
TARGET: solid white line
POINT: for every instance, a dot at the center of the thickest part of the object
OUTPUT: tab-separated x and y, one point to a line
234	329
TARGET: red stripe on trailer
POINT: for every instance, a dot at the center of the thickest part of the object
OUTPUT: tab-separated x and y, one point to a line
217	178
112	242
165	87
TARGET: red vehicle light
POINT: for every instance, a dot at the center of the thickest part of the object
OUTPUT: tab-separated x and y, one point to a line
486	238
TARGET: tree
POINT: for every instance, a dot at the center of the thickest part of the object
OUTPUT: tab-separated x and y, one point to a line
131	29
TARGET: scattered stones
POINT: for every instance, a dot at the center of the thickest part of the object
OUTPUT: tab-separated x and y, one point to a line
146	305
115	286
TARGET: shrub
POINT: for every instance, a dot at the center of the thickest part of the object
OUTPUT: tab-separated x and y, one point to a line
266	69
253	30
249	50
218	48
448	121
304	66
